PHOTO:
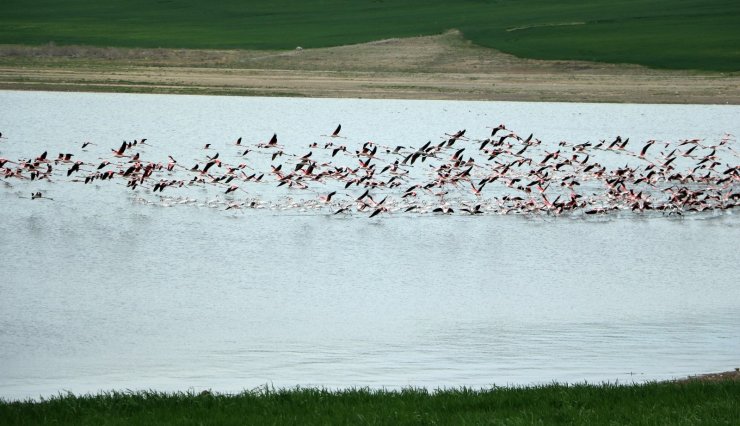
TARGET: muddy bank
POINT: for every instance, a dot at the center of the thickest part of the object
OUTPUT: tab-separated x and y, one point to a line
436	67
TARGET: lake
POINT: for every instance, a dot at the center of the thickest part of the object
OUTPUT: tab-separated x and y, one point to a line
104	288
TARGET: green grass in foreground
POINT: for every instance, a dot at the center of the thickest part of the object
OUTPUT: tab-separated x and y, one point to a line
694	402
683	34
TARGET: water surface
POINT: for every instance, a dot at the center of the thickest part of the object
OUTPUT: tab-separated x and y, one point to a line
99	291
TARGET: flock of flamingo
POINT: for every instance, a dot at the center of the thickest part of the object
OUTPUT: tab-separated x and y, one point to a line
500	173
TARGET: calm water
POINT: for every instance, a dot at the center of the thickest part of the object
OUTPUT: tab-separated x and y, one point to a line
99	291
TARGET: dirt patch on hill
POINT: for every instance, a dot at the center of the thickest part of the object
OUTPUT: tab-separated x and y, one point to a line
435	67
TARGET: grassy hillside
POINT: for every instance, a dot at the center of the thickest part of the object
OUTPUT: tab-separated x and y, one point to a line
690	34
710	403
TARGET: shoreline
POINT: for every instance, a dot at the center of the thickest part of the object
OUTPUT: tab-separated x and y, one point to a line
651	403
725	376
443	67
733	375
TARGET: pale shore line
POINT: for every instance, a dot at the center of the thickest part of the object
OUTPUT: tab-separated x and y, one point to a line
714	377
434	67
731	375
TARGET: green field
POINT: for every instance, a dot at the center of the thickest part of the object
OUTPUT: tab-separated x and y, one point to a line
680	34
688	403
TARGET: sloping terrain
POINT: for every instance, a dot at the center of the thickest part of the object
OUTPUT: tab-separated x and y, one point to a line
433	67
